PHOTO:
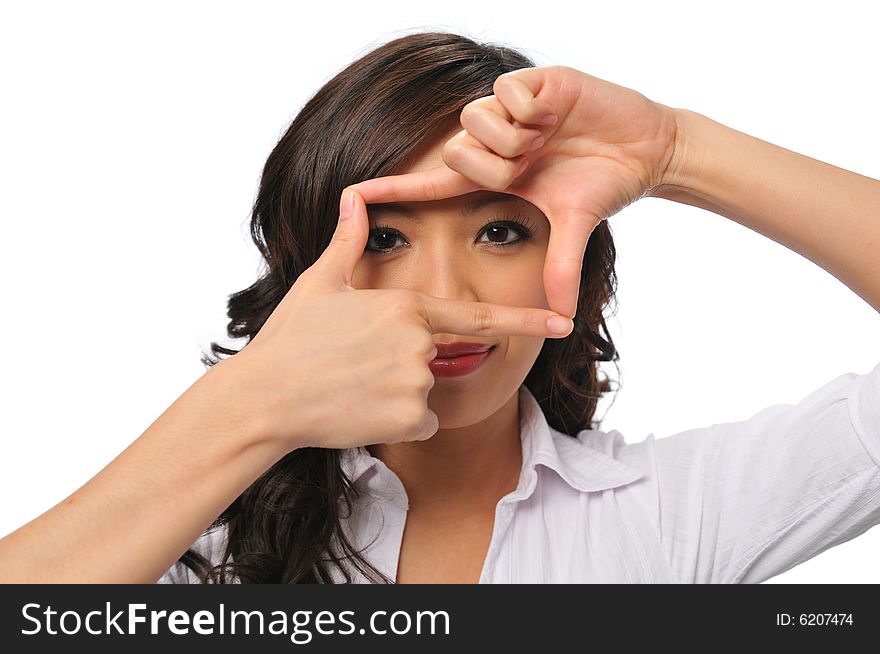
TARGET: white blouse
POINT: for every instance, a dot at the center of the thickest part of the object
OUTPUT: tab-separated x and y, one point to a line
734	502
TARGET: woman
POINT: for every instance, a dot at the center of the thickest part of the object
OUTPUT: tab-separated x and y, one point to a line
335	446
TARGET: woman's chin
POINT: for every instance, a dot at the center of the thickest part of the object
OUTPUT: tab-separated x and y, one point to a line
455	410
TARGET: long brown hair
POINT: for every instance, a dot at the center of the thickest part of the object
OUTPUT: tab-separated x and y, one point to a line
364	123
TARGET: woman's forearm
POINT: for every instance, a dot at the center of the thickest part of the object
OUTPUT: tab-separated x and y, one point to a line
133	519
827	214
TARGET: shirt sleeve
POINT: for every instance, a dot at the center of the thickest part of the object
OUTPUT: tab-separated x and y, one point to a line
211	545
741	502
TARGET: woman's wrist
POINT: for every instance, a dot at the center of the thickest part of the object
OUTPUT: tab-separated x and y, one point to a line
238	404
683	168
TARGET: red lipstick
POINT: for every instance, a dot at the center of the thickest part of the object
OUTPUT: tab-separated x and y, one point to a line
459	359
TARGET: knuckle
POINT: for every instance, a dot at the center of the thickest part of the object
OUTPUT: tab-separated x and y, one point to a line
502	81
511	146
429	426
414	345
343	236
500	181
468	113
482	318
429	190
424	379
403	302
453	152
525	140
566	260
422	344
478	110
411	416
429	348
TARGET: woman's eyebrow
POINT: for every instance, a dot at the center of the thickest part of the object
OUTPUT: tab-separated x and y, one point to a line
490	197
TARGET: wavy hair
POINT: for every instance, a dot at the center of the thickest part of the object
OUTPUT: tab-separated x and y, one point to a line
364	123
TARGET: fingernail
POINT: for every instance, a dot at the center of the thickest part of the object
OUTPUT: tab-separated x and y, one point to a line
548	119
346	205
537	143
559	325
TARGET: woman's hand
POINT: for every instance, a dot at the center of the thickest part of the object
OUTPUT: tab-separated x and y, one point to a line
609	146
338	367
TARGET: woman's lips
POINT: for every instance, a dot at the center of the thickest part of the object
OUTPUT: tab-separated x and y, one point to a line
458	366
458	348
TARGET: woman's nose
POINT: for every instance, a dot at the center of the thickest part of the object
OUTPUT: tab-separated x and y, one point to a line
445	275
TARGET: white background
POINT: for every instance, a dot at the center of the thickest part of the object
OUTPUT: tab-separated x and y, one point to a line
132	139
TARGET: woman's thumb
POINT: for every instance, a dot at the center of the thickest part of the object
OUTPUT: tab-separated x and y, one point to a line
346	248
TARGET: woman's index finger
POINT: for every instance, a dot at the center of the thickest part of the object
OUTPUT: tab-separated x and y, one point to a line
435	184
487	319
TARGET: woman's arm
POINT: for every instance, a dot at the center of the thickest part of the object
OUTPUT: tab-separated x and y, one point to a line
827	214
132	520
610	146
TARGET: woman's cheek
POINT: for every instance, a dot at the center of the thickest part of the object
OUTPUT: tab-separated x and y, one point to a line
524	285
525	290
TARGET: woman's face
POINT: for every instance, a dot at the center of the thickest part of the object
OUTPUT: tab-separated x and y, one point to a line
448	249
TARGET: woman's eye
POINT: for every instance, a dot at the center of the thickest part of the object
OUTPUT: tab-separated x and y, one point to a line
500	233
382	240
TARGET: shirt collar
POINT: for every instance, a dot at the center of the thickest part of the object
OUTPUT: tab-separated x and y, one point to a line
582	467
